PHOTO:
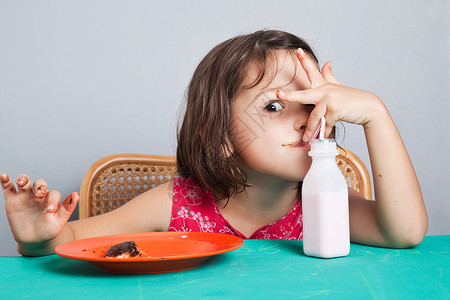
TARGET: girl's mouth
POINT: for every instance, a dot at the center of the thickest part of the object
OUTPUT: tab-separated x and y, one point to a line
298	144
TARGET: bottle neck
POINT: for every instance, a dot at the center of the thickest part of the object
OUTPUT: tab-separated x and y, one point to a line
324	159
323	148
323	152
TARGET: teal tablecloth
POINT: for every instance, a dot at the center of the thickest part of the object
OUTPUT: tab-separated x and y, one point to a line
260	269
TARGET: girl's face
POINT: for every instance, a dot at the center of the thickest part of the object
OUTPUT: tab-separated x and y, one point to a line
265	131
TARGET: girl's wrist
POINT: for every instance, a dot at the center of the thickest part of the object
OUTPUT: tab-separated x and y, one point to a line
35	249
377	112
45	247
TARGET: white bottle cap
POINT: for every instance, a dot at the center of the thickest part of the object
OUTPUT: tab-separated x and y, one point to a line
323	147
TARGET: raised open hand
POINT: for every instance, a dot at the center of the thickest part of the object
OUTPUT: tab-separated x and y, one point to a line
35	215
332	100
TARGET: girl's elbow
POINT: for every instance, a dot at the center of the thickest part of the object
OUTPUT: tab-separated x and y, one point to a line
419	231
413	237
411	241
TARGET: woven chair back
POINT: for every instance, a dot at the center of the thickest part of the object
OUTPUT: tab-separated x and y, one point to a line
116	179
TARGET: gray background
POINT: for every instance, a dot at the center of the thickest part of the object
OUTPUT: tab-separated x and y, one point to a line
83	79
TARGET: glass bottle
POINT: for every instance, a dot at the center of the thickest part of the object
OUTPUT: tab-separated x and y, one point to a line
326	231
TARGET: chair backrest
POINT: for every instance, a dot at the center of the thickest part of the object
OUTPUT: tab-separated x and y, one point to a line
355	172
116	179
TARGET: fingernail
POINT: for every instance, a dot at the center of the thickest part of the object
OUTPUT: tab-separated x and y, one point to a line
300	53
50	208
281	94
41	190
21	181
305	138
329	66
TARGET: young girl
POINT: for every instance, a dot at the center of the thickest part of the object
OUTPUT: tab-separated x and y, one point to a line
253	104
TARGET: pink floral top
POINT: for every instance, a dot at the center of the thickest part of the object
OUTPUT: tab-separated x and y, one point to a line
194	209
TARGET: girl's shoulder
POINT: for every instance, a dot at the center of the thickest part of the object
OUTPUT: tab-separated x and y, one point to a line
190	191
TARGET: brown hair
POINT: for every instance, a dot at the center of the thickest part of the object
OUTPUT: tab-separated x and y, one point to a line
204	138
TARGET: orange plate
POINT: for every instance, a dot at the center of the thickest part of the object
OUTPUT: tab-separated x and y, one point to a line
164	251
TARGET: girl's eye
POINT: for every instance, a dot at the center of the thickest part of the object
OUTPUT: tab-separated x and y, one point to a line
273	106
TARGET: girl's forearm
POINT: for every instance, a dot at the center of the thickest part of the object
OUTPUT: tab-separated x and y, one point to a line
400	208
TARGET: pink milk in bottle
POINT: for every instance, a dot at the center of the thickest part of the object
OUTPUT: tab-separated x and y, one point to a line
326	232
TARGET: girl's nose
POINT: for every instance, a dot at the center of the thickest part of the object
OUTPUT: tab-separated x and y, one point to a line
300	113
299	125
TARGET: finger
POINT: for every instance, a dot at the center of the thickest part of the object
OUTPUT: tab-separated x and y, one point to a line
314	122
329	125
53	200
329	130
68	206
23	183
309	96
7	185
306	97
40	188
310	67
328	74
330	122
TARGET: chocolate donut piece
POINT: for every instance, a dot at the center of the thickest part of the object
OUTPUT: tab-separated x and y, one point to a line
125	249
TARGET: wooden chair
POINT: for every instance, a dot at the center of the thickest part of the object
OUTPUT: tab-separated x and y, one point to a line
355	172
115	179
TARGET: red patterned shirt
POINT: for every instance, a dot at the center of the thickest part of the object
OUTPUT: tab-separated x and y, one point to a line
195	209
